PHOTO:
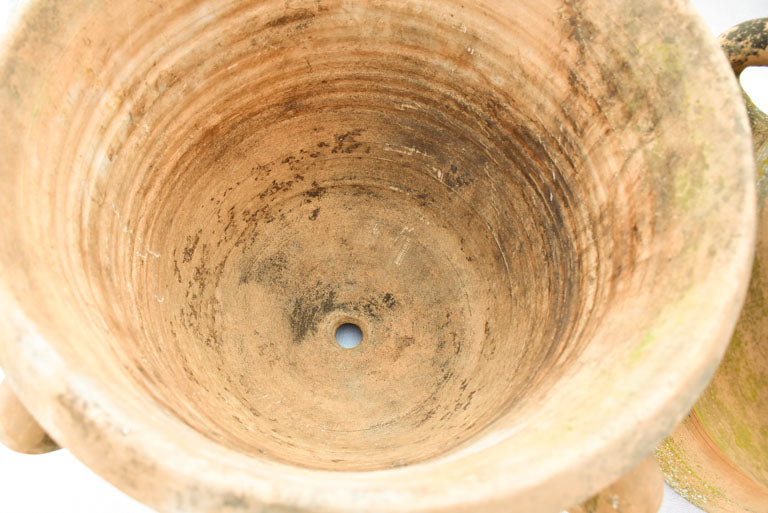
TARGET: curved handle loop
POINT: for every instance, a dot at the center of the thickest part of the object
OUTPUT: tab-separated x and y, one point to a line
746	45
19	431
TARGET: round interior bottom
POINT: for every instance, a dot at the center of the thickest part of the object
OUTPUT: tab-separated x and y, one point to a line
274	258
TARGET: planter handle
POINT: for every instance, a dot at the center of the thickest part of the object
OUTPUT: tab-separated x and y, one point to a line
746	45
641	490
19	431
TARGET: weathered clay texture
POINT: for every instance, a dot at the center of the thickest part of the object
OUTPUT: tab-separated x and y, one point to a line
718	457
639	491
18	429
533	209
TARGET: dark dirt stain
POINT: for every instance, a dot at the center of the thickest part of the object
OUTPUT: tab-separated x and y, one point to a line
234	501
371	306
457	178
403	344
374	305
315	191
77	410
469	399
260	270
201	271
276	187
314	214
260	170
189	251
231	223
428	415
176	270
295	17
308	309
165	80
579	28
389	300
456	342
346	142
573	80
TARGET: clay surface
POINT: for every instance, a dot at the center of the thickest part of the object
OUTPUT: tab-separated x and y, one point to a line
18	429
639	491
718	458
532	209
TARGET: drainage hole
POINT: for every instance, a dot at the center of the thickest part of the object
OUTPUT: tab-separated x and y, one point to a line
349	335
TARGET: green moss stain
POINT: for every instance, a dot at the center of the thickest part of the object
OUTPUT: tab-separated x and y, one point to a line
591	505
682	171
755	302
668	54
681	177
687	186
15	94
638	352
677	312
743	437
730	409
761	161
682	476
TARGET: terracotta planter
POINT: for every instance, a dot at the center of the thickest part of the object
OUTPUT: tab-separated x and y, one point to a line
533	210
718	458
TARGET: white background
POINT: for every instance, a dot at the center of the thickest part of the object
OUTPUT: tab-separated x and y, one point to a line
58	483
